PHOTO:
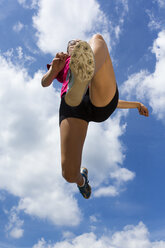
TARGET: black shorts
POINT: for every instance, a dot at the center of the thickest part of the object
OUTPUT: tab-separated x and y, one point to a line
86	110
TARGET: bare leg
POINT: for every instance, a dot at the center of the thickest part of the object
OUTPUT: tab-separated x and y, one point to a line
103	84
73	132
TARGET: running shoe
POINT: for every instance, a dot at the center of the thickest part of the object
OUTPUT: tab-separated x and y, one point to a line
82	67
86	189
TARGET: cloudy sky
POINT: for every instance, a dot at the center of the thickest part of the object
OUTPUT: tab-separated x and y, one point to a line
124	155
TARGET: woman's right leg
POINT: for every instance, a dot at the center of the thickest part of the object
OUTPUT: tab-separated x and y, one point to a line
73	132
103	84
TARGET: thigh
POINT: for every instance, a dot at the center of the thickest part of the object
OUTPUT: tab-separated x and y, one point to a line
103	85
73	132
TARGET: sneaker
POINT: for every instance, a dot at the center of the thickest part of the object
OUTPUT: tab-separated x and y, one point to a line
86	189
82	67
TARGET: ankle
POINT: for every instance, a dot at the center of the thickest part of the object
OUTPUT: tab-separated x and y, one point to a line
82	183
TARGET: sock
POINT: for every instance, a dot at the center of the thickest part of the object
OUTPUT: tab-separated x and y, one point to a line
83	183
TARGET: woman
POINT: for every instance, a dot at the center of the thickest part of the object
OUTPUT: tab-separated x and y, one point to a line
89	93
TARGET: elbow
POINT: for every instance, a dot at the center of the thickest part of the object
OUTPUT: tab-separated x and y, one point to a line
46	81
43	82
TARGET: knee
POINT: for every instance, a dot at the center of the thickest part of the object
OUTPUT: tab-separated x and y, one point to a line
70	175
97	36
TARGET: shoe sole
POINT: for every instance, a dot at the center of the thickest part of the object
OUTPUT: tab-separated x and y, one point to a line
82	66
90	193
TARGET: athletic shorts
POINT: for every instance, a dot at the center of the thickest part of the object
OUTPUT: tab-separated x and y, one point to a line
86	110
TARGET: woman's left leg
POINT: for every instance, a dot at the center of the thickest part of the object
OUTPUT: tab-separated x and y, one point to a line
73	133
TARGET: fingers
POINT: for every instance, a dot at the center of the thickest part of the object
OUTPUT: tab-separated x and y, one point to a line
143	111
55	59
62	56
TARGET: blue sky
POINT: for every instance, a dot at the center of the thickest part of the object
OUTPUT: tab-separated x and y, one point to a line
124	155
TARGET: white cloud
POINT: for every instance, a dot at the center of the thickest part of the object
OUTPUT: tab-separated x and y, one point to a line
130	237
117	31
18	27
106	191
122	175
161	3
154	23
18	57
14	227
125	4
119	14
68	235
150	87
59	21
20	52
16	232
29	4
93	219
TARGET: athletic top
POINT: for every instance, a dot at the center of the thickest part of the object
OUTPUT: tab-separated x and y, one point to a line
62	76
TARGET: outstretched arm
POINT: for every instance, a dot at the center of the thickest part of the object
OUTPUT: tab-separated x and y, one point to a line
127	105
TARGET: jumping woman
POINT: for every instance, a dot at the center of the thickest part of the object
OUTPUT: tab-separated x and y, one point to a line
89	93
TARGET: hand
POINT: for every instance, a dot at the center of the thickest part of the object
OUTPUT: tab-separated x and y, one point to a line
56	66
143	110
59	61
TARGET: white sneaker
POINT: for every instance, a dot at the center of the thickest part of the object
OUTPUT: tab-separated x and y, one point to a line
82	67
85	190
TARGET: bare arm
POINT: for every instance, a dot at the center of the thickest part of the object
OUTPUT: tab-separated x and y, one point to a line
127	105
57	65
